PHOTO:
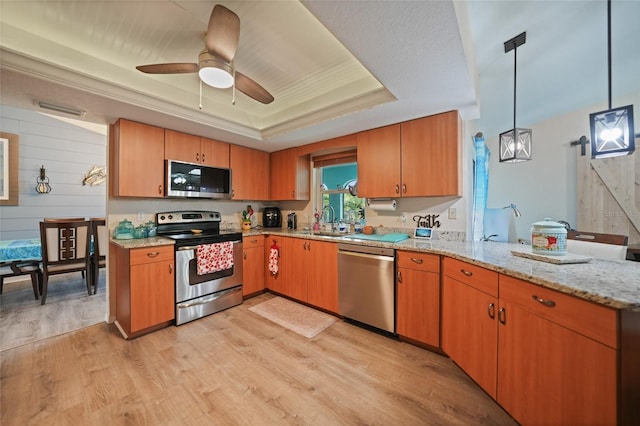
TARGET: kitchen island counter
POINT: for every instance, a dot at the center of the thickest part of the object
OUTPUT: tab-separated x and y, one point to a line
607	282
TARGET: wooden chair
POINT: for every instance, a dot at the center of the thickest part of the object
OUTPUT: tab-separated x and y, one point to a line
65	248
22	267
601	246
100	245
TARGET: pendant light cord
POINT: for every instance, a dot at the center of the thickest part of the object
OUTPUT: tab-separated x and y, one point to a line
515	74
609	45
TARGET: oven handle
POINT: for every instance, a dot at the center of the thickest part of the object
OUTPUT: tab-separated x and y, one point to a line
195	247
202	302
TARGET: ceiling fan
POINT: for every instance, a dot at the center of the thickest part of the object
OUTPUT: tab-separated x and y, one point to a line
215	62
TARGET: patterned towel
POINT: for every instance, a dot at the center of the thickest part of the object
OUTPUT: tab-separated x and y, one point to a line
214	257
274	254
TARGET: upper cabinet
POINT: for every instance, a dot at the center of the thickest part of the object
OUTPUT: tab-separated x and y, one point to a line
250	173
290	175
417	158
195	149
136	160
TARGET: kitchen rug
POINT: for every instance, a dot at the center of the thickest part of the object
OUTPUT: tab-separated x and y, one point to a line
298	318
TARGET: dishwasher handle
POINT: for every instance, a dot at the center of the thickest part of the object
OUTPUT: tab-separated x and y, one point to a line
366	255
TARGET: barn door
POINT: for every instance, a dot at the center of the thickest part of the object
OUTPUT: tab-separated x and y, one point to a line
609	195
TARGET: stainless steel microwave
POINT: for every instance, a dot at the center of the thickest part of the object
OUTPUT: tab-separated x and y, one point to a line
192	180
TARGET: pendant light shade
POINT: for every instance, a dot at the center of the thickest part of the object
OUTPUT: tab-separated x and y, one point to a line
612	132
515	144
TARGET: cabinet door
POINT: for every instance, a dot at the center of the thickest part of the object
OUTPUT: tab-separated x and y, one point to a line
418	306
253	265
214	153
289	175
137	160
548	374
379	162
152	294
298	269
280	282
249	173
181	146
322	276
430	156
470	332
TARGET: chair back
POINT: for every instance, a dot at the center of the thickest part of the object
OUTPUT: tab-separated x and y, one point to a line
63	219
100	237
601	246
65	243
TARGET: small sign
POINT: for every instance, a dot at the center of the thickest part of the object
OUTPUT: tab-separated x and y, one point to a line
423	233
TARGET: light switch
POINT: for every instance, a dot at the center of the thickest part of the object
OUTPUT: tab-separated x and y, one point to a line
453	214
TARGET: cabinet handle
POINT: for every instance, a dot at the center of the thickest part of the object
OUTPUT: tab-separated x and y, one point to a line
417	260
309	246
153	254
549	303
233	193
397	188
399	277
404	188
293	194
171	268
491	310
467	273
502	316
244	254
203	158
197	157
160	189
254	241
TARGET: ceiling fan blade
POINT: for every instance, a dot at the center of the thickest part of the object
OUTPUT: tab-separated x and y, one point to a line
252	89
223	33
172	68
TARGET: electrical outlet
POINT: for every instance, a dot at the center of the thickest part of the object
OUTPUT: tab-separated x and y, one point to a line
403	217
453	214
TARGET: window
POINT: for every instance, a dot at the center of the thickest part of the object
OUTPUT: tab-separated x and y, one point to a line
335	186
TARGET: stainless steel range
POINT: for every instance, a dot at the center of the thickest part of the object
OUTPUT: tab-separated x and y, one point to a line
201	290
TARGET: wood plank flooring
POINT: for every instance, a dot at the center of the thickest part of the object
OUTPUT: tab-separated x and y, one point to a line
235	367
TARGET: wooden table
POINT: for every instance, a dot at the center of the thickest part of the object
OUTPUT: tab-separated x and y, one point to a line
634	251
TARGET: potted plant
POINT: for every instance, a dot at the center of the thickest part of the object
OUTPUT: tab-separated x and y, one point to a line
246	218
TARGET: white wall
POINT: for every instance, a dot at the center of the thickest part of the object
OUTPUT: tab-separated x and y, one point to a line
68	149
546	185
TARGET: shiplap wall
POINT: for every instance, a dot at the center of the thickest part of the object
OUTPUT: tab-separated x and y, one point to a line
68	149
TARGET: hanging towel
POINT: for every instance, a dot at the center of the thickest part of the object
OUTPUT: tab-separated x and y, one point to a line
214	257
274	254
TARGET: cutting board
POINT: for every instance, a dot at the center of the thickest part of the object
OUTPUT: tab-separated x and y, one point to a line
383	238
559	260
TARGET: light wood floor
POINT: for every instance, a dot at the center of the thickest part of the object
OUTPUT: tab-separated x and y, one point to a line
69	307
235	367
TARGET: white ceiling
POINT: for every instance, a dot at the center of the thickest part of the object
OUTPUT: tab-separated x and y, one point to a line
334	67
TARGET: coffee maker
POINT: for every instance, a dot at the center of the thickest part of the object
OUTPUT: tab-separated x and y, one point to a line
271	217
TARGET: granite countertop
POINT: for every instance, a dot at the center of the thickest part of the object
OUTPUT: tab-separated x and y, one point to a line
607	282
143	242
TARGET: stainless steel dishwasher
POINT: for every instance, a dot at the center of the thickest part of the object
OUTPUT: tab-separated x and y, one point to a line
366	285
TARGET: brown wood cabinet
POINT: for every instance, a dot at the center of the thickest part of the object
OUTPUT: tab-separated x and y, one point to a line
136	163
195	149
289	175
308	272
416	158
145	289
250	173
418	297
469	325
253	264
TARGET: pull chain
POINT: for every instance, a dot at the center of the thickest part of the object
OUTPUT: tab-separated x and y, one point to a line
200	104
233	96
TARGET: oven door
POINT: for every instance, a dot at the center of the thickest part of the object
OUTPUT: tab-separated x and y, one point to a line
190	285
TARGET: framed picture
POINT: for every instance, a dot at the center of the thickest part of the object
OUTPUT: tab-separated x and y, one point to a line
423	233
8	169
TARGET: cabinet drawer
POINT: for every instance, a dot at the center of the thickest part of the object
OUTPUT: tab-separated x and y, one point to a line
587	318
475	276
253	241
420	261
151	254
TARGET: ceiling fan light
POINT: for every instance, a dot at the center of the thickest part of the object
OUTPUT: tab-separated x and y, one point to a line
214	71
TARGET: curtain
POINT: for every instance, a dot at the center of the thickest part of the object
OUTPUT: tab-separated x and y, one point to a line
480	185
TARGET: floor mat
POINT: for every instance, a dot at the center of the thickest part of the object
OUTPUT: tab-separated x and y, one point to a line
301	319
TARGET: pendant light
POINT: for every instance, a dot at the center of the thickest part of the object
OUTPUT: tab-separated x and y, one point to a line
515	144
612	133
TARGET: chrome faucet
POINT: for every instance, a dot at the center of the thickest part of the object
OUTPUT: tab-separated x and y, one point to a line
489	238
333	214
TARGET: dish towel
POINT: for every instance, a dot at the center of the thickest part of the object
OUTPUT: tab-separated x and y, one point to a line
274	254
214	257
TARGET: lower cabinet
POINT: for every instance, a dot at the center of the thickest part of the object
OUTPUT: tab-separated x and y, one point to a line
418	297
145	289
253	264
307	271
544	356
